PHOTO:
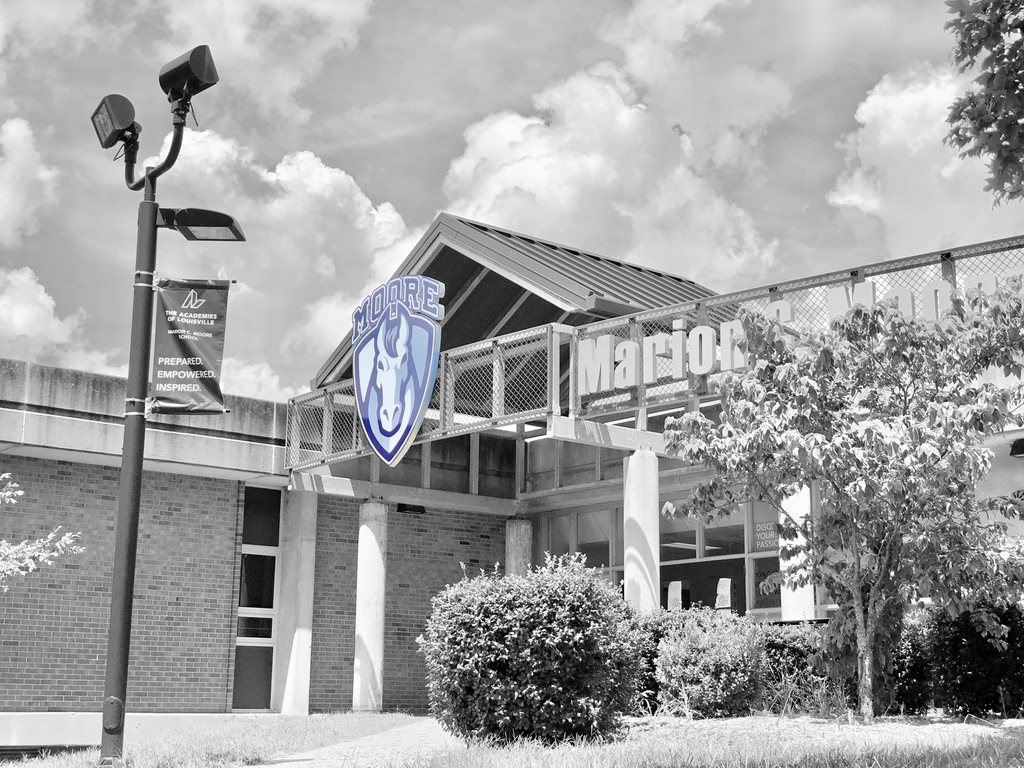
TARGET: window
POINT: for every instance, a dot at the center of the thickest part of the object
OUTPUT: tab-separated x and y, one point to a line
594	533
259	576
722	563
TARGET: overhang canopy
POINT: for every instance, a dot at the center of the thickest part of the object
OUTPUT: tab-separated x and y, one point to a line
498	281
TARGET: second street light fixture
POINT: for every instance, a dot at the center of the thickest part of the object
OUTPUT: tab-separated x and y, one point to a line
114	122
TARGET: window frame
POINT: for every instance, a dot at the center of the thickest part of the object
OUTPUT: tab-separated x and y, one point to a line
272	613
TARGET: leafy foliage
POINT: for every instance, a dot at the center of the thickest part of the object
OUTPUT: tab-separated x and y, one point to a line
912	665
710	664
989	120
653	626
549	655
884	418
791	647
839	656
21	559
794	681
971	677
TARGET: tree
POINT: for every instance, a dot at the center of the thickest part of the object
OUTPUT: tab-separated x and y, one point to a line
886	418
989	120
23	558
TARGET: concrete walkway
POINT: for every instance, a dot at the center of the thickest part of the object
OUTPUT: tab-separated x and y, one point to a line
388	748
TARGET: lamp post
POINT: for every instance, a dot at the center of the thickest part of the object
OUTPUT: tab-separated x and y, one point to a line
114	121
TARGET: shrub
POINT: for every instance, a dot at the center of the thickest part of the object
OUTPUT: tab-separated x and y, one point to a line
710	665
549	655
972	675
911	665
790	647
793	682
645	700
653	626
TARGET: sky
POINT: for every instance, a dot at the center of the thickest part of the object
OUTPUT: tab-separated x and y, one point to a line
732	142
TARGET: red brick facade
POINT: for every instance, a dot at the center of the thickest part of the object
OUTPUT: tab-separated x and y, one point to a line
425	552
334	605
53	623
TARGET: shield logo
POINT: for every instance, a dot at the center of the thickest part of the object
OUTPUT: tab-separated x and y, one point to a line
395	366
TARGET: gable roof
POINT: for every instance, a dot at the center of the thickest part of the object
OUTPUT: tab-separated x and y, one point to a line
498	281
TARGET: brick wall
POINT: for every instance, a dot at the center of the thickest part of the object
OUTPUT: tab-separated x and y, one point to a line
425	552
53	623
334	605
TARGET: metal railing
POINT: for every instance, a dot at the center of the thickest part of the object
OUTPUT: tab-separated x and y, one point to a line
808	298
488	384
530	375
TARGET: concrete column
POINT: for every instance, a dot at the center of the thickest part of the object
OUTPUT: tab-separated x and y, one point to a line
641	518
371	578
295	617
518	546
798	602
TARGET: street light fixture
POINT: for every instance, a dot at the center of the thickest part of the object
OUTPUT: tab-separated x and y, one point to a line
114	122
200	224
114	119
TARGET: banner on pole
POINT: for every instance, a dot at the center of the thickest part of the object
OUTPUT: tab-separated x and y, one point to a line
188	346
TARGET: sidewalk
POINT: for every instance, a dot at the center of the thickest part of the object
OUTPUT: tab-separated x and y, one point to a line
389	748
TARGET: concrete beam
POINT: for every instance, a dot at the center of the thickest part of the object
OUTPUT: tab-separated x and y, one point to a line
605	435
70	415
401	494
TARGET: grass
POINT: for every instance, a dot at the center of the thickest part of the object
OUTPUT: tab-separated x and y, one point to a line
766	742
748	742
242	741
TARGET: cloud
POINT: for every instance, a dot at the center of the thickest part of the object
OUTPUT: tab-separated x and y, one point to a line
721	98
899	173
31	329
34	35
26	24
314	241
27	184
271	49
325	322
596	168
245	379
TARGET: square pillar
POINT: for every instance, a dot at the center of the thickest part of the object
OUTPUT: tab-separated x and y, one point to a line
641	523
371	576
295	618
797	602
518	546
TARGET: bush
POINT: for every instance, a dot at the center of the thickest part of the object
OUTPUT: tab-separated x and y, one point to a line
711	664
550	655
793	681
653	626
790	647
645	700
911	666
972	675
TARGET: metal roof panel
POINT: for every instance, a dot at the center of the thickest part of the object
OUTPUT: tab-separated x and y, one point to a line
572	280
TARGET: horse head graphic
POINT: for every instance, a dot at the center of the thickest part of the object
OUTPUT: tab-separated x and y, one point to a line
391	373
395	366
